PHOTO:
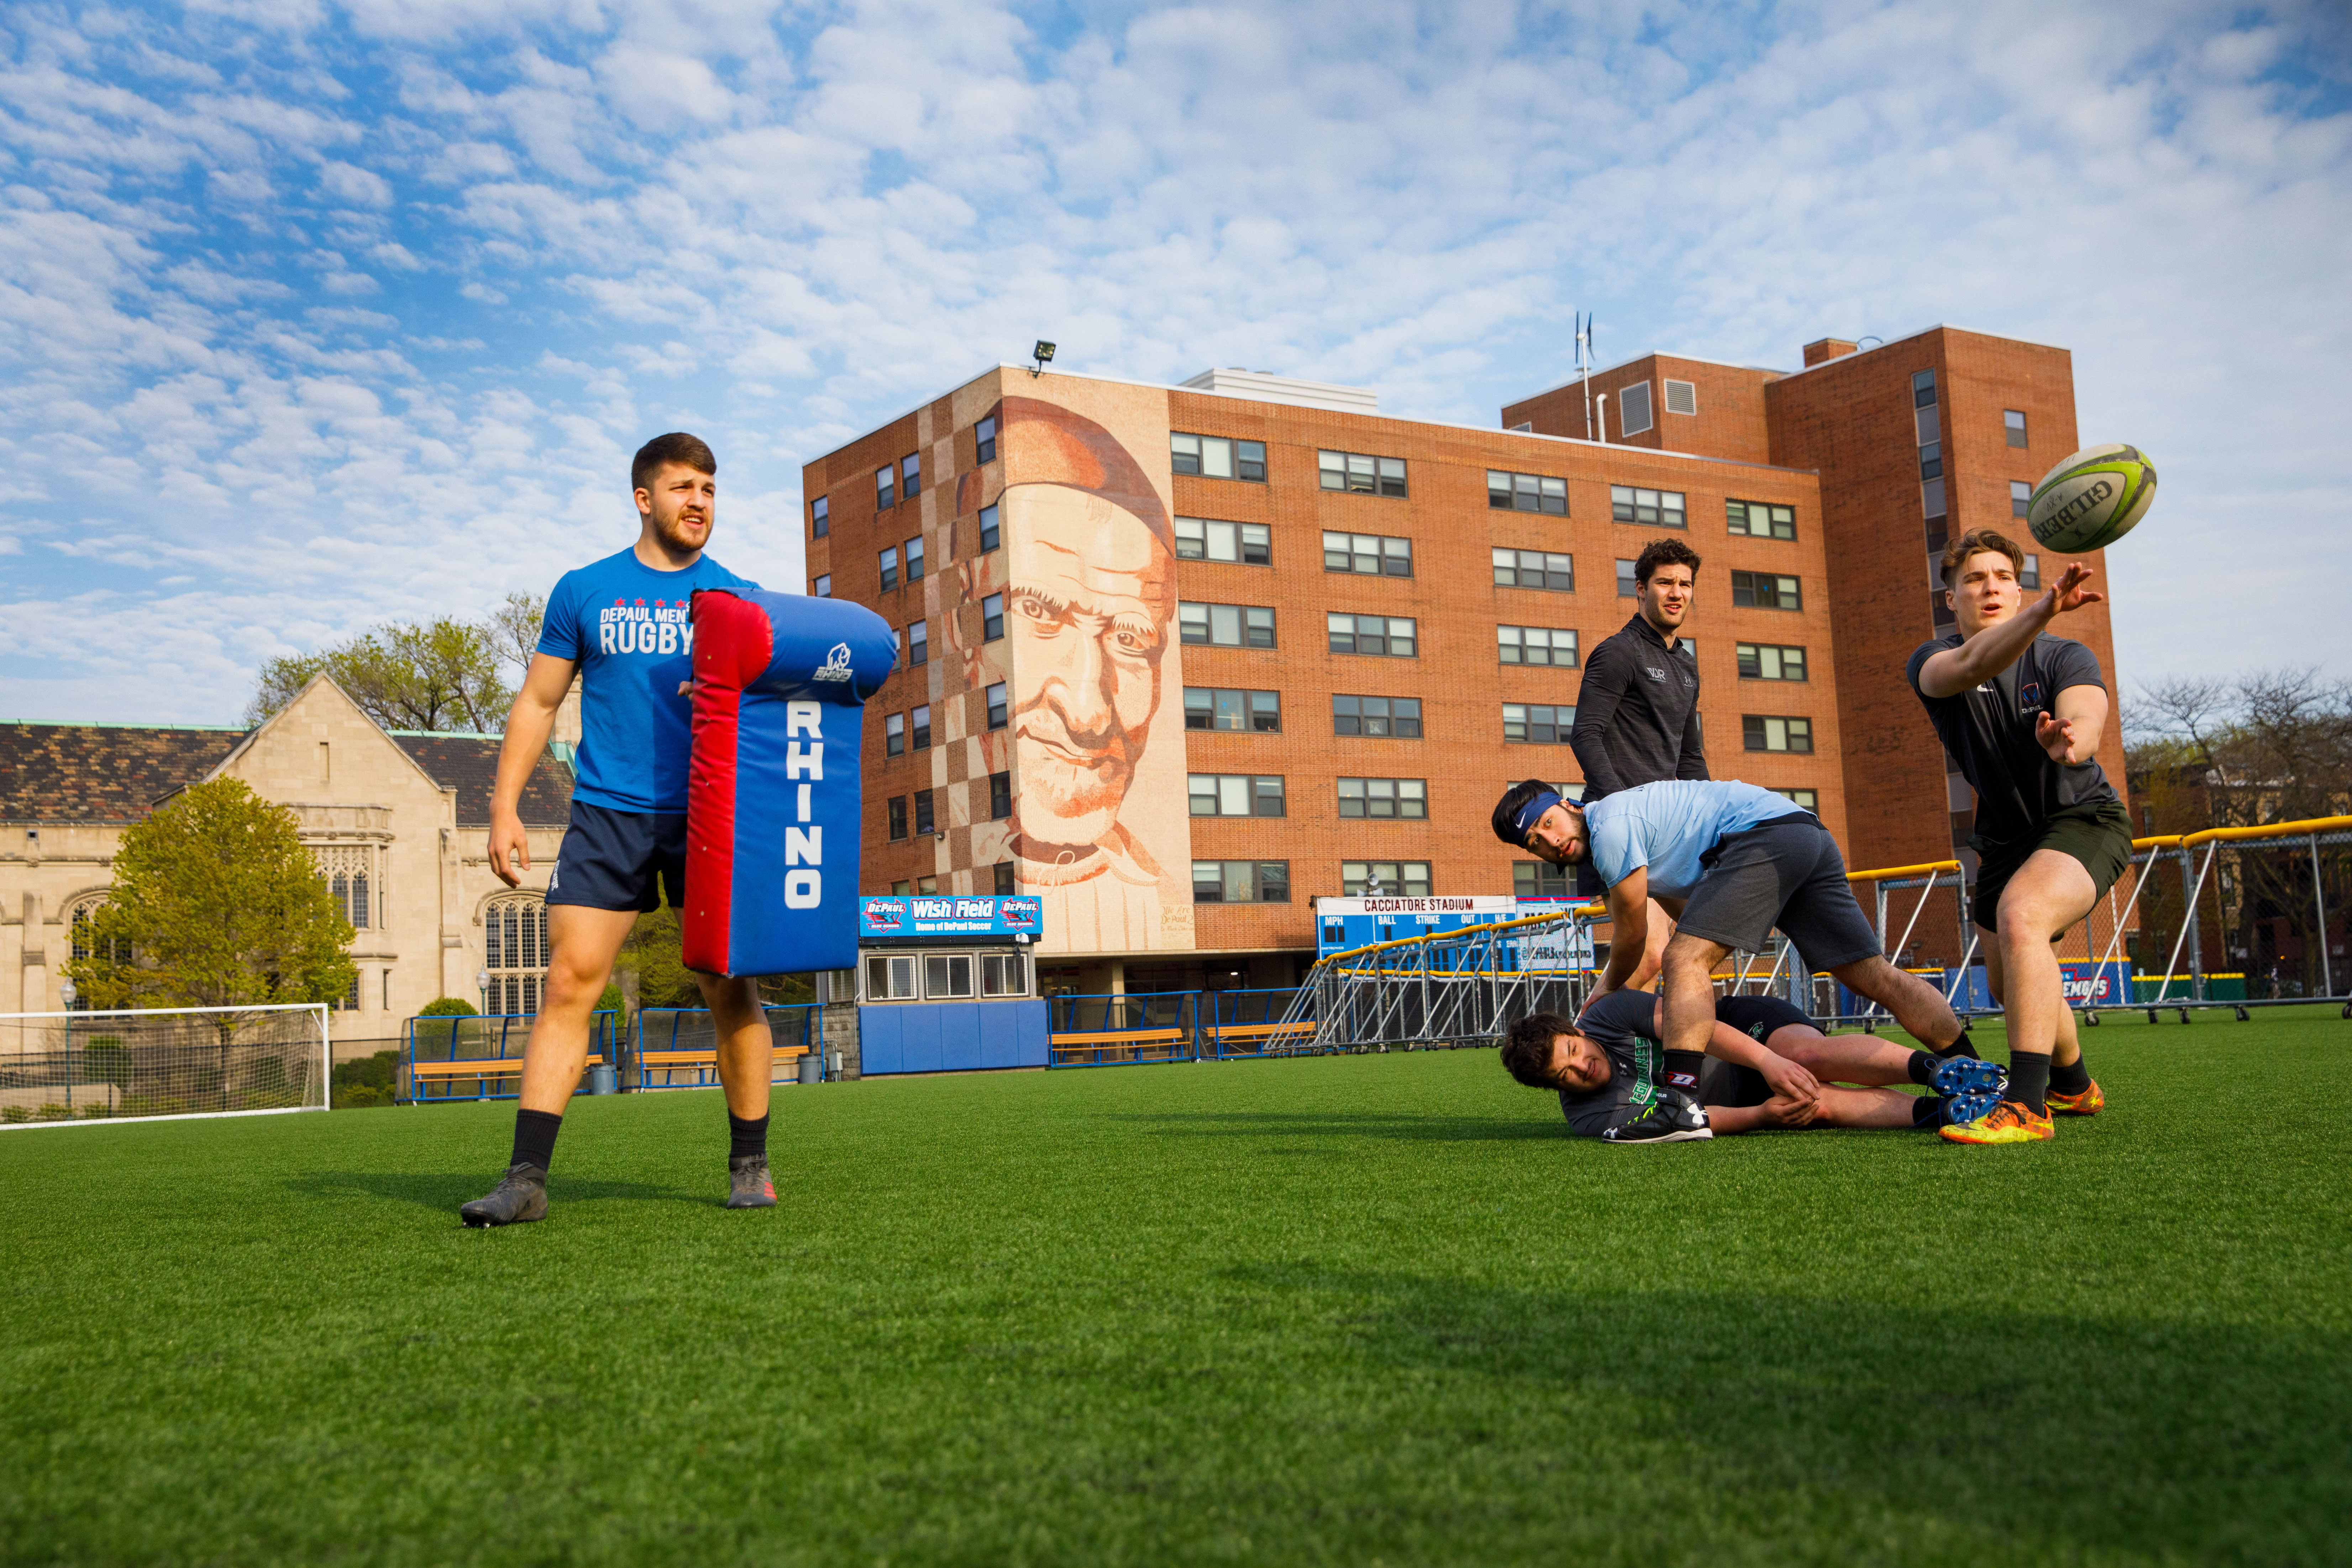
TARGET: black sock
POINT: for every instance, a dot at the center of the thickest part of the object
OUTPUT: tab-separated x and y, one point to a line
746	1138
1963	1046
2071	1078
1683	1070
1927	1111
534	1141
1923	1067
2028	1081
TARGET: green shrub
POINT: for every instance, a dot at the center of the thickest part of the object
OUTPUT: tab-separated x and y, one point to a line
449	1007
15	1113
612	1001
365	1081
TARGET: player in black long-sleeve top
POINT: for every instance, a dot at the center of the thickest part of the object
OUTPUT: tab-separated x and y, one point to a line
1637	709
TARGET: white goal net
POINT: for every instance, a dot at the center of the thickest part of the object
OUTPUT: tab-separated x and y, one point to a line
150	1063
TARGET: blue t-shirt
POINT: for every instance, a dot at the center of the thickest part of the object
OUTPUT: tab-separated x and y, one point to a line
1667	826
625	624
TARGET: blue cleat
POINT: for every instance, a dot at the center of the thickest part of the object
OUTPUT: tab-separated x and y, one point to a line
1965	1076
1959	1110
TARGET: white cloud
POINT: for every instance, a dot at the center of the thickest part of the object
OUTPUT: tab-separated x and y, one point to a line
349	182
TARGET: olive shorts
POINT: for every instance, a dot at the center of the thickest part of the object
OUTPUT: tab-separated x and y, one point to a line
2097	833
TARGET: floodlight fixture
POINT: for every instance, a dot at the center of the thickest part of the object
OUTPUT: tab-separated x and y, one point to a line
1043	354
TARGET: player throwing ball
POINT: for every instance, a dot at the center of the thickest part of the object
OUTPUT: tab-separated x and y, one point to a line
1605	1067
2022	711
621	624
1729	861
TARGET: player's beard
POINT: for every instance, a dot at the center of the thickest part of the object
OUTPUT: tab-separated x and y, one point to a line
1063	799
680	533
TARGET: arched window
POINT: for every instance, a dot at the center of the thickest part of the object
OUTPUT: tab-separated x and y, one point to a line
345	869
87	944
515	953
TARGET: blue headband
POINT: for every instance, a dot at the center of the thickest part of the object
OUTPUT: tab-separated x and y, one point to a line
1532	813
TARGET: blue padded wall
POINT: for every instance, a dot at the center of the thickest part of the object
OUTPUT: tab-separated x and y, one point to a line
950	1036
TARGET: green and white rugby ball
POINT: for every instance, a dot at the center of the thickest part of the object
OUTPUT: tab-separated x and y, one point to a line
2092	500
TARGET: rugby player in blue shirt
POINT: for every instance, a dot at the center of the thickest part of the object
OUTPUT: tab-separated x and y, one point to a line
621	624
1729	861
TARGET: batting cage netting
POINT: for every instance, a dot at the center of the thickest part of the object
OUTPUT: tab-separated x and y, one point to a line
161	1062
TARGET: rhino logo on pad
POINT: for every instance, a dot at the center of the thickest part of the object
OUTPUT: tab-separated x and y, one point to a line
836	666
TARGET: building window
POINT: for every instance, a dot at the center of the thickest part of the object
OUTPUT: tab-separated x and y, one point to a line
1759	520
992	617
1225	626
823	587
2030	574
1005	888
1535	569
1808	799
999	710
1923	390
999	796
1634	408
1004	973
514	951
902	889
890	564
1765	591
1931	461
1216	457
946	976
1931	498
1627	587
1526	492
1539	879
1769	661
1241	881
919	643
1536	645
1391	636
925	822
1762	732
894	735
989	536
983	440
1537	724
1368	554
927	884
1682	397
1396	718
85	944
1362	474
884	492
896	806
1653	509
350	891
1397	798
1235	794
914	560
819	516
1389	878
1238	712
384	997
2013	421
910	475
2021	498
923	728
890	977
1241	543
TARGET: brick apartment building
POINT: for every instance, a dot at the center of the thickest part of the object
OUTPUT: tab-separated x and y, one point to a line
1183	659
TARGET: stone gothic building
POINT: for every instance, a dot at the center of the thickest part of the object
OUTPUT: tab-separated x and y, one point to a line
399	821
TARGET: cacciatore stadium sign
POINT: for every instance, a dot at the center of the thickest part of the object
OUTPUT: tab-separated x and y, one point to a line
1479	905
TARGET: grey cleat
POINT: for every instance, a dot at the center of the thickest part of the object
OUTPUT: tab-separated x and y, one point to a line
1671	1118
519	1197
748	1183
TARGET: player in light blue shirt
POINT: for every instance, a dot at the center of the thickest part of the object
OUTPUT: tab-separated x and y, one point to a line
622	626
1729	861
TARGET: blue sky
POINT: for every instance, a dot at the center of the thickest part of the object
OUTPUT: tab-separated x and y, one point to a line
318	315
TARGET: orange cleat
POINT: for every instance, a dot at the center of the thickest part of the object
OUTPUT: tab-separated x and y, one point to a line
2090	1102
2008	1123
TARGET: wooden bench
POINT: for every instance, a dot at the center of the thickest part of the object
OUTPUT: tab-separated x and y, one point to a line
1265	1036
473	1067
1122	1044
702	1062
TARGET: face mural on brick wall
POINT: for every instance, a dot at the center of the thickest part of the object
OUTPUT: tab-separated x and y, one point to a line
1087	574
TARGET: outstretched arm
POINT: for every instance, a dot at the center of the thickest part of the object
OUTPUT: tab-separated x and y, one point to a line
2081	718
1629	930
2002	644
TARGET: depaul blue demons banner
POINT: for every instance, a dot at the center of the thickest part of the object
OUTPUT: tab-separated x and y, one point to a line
773	800
951	915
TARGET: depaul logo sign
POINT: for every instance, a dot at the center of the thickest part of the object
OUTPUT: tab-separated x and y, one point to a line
951	915
2096	985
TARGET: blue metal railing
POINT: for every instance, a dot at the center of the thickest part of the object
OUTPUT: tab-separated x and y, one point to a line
1117	1031
443	1047
668	1032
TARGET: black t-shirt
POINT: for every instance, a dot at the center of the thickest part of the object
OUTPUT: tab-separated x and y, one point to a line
1989	733
1624	1025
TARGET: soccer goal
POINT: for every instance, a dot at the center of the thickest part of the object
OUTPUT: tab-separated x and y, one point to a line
151	1064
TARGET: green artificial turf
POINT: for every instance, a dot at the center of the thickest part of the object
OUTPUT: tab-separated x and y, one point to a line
1353	1310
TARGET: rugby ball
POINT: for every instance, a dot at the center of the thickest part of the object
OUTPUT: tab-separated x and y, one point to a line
2092	500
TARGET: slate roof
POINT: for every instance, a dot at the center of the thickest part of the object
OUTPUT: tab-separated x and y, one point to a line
100	773
469	763
116	773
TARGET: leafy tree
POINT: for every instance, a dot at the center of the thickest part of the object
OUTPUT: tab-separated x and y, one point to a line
446	674
448	1007
216	903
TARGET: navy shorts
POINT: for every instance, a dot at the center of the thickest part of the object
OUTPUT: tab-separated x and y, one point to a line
620	859
1784	871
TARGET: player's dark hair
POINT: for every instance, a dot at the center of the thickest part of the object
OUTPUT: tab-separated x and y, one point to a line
1507	809
1981	541
677	446
1664	553
1526	1049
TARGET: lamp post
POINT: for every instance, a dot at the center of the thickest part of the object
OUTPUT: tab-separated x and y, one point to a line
66	992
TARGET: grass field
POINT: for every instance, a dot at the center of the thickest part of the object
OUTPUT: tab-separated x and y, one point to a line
1348	1310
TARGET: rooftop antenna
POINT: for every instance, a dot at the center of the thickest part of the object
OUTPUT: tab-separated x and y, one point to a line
1584	366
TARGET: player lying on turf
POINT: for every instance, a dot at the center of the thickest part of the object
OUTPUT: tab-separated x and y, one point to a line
1606	1066
1729	861
2022	711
